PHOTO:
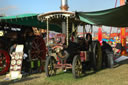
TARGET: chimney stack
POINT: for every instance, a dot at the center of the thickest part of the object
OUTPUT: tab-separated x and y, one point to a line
64	5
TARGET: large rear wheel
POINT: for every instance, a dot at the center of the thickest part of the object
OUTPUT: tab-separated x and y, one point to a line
4	62
97	55
38	50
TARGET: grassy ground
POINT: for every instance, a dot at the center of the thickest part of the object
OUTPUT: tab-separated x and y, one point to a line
114	76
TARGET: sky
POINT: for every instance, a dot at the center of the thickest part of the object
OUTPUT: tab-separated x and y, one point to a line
15	7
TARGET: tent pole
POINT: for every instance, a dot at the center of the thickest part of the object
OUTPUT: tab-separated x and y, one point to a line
91	29
67	31
73	27
84	30
110	33
47	31
115	3
123	34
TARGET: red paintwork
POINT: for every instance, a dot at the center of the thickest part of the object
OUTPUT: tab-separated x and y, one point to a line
82	56
100	35
7	64
39	49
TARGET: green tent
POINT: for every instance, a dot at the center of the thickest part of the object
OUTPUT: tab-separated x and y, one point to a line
28	20
116	17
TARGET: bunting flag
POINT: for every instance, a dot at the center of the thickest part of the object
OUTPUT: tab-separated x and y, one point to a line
100	35
123	34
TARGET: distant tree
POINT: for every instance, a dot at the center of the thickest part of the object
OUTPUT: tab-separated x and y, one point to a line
1	15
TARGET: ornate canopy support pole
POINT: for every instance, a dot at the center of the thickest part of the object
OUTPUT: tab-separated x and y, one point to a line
91	29
73	27
73	31
67	22
47	31
84	30
123	34
77	30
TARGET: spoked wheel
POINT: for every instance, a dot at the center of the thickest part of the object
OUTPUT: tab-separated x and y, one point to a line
38	50
4	62
50	66
77	67
97	55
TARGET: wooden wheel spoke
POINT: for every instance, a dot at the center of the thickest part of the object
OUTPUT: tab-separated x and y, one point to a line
51	68
77	67
35	44
37	40
4	61
38	48
79	73
79	63
2	57
50	72
40	44
76	71
1	65
38	51
35	52
33	47
80	67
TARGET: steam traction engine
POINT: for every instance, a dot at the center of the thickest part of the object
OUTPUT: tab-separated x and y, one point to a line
70	51
34	49
78	56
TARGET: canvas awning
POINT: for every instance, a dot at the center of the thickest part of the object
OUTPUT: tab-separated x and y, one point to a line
116	17
28	20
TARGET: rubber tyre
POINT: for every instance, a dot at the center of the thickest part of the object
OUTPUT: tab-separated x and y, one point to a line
97	56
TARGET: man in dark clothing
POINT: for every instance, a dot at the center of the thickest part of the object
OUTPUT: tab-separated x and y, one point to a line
106	49
106	46
118	46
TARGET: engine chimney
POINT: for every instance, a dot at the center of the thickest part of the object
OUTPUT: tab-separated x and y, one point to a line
64	5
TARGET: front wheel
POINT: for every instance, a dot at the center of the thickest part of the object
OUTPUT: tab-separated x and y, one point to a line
50	66
77	67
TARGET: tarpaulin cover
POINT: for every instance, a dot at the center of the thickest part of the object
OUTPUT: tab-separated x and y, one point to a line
29	20
116	17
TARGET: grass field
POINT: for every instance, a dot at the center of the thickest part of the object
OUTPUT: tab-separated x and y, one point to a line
114	76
